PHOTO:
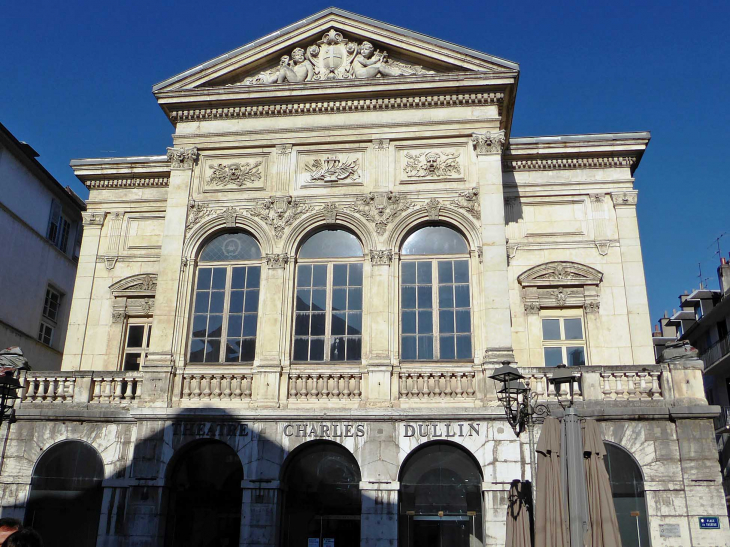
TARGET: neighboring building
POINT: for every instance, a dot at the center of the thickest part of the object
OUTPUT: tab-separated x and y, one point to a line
283	330
704	321
40	223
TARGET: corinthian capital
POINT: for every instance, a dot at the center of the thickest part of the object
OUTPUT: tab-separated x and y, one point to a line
488	143
182	157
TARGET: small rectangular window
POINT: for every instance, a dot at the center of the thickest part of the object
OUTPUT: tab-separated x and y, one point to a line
136	344
45	334
51	304
563	341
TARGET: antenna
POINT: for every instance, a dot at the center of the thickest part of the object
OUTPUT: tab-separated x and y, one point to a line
702	279
716	241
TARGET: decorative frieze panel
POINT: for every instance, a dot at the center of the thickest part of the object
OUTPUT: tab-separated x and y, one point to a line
279	212
560	285
234	173
332	167
416	163
381	208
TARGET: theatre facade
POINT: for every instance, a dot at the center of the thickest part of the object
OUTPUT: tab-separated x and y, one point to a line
282	330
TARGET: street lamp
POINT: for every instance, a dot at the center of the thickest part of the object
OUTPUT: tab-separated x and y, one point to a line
9	386
521	407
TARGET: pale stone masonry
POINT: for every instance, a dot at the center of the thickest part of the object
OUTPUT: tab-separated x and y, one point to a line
334	136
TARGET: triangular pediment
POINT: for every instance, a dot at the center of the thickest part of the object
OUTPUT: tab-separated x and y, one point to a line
331	46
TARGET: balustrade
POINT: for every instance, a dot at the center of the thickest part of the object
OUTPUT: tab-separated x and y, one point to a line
217	386
436	385
328	386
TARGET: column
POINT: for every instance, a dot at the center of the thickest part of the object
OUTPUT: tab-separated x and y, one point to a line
498	327
158	365
379	326
494	522
637	302
259	513
274	311
85	272
379	517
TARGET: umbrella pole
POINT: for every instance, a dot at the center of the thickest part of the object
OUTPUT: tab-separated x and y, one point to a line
577	493
533	463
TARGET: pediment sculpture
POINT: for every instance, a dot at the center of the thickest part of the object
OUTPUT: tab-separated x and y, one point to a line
561	284
334	57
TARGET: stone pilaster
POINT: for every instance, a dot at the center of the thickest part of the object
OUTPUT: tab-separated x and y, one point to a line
282	169
381	153
637	302
498	334
79	315
379	517
259	513
377	324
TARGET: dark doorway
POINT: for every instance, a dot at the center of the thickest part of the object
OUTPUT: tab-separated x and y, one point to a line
627	485
321	497
65	495
204	508
440	498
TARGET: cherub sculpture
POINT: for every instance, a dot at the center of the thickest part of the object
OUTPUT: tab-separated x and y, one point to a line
369	63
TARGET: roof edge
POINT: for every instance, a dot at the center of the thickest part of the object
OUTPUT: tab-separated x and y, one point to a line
587	137
108	161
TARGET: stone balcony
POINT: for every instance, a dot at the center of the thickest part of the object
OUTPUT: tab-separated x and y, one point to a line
676	384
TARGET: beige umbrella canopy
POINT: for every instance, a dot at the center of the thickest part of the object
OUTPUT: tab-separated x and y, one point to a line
551	522
602	513
518	517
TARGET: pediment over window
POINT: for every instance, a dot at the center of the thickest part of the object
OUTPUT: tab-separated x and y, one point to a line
560	284
335	46
135	285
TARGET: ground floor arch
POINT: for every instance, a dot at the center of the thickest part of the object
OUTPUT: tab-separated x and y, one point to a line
66	495
204	496
440	498
321	496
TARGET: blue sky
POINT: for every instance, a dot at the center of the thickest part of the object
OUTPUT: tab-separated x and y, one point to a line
76	79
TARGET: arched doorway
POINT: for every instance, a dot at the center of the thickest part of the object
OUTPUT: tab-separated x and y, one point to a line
321	484
205	495
627	485
65	495
440	498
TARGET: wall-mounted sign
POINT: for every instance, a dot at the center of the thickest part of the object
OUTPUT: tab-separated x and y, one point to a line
712	523
441	430
312	542
210	429
328	542
324	431
669	531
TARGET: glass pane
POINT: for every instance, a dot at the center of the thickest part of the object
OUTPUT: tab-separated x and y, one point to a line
339	275
425	322
354	349
233	351
197	348
573	329
149	336
301	345
337	349
135	336
219	279
424	297
339	325
213	351
201	302
203	278
463	347
132	361
236	246
301	324
446	322
215	326
252	301
354	299
446	296
236	305
316	349
303	299
304	275
318	320
408	349
200	324
216	301
248	349
238	278
461	271
408	271
435	240
331	244
425	347
319	299
463	321
446	272
424	272
355	275
553	357
408	322
462	296
551	329
408	298
249	324
354	324
576	356
253	277
235	323
448	347
319	275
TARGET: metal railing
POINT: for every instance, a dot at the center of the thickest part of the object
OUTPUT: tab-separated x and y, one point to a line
716	351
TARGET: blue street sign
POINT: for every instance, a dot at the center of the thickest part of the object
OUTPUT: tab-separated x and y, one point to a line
710	522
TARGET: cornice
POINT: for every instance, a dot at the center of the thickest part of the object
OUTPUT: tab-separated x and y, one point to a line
553	164
143	182
337	106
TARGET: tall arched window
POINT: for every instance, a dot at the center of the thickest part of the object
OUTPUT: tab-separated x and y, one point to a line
225	312
65	495
440	498
204	506
435	296
627	485
328	308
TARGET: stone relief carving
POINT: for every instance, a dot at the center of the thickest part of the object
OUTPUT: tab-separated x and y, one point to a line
330	212
592	307
432	207
380	208
332	169
469	201
603	247
277	260
197	211
280	212
381	144
235	174
93	218
488	143
118	316
625	198
182	157
230	215
432	164
334	57
560	284
381	256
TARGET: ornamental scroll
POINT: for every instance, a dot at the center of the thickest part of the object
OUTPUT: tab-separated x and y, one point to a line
334	58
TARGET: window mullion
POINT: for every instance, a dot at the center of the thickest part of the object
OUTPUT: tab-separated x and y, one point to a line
435	309
328	313
226	309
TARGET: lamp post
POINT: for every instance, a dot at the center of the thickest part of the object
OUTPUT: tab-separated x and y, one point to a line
573	472
521	408
9	386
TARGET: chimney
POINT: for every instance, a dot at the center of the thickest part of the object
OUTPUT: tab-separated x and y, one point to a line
723	274
683	297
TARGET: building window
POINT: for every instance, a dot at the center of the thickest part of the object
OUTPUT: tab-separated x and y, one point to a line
137	344
629	499
435	296
45	333
563	341
51	306
328	308
226	304
58	227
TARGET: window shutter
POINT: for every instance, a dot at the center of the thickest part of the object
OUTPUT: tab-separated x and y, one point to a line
53	221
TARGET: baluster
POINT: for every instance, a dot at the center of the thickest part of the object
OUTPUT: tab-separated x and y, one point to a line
61	390
216	380
106	390
336	391
414	386
427	394
618	376
196	387
631	386
402	386
325	386
315	386
448	392
470	385
643	388
51	393
70	389
129	392
30	394
293	378
117	385
346	393
227	387
578	386
238	391
186	387
96	397
247	388
606	385
206	380
550	388
656	390
357	393
305	386
459	388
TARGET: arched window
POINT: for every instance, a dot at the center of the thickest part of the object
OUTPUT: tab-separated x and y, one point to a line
328	308
440	498
321	496
65	495
204	506
627	485
435	296
225	312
